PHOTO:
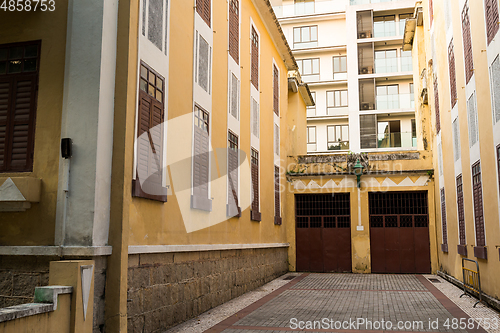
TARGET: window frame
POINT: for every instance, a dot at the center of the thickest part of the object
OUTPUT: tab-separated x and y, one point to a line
332	142
255	214
300	42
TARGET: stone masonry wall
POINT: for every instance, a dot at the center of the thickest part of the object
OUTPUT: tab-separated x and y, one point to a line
19	275
165	289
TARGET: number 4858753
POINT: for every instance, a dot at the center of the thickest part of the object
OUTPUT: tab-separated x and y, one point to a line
28	5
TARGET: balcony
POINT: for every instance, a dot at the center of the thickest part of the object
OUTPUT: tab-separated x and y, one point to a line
390	65
395	102
396	140
362	2
309	8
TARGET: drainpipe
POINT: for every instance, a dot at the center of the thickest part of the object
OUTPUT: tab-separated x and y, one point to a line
66	153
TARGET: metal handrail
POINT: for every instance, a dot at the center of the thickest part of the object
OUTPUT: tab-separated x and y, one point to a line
472	281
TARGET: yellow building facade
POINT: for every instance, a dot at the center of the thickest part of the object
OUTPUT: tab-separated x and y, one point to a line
455	46
158	134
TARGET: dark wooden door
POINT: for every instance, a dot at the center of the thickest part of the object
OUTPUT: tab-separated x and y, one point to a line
323	232
399	232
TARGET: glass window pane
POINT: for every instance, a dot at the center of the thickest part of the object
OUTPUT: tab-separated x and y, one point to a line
391	54
383	127
15	66
381	90
152	78
307	67
343	96
329	98
144	72
331	133
315	66
31	51
345	133
314	33
337	98
299	63
159	95
30	65
296	35
3	54
392	90
305	34
159	83
151	90
343	64
16	52
379	54
143	85
336	64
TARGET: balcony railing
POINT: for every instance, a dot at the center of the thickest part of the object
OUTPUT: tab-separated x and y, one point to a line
394	102
310	8
396	140
362	2
390	65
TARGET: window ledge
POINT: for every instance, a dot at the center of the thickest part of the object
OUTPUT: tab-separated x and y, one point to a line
255	216
277	220
481	252
17	193
201	203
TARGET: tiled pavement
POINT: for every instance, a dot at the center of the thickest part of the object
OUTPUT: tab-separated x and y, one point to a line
340	303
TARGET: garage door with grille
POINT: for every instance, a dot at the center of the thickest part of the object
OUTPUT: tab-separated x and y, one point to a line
399	232
323	232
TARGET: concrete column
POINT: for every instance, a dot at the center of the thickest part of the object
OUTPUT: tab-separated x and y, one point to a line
83	204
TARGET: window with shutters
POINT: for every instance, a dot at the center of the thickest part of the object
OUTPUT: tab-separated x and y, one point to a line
204	63
338	137
431	11
276	90
254	58
234	95
453	77
155	22
204	9
277	205
255	118
472	120
233	208
444	246
150	137
335	99
19	67
255	213
478	211
201	160
309	68
461	211
495	89
456	139
436	106
491	13
311	110
304	37
469	65
234	30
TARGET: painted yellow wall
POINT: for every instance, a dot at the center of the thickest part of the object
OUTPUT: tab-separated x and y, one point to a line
451	262
36	225
153	222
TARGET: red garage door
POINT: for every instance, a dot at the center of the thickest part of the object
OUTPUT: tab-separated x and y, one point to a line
323	232
399	232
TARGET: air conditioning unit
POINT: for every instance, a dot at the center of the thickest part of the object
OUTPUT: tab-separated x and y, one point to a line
365	106
365	70
364	34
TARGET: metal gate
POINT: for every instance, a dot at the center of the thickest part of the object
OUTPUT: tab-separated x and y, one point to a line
399	232
323	232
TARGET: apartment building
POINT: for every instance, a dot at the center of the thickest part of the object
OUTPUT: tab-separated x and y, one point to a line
149	137
456	48
350	54
363	194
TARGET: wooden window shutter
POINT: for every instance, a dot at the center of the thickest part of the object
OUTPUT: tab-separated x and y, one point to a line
444	246
491	13
436	106
234	30
480	249
469	65
276	91
18	97
461	212
255	59
203	8
277	206
255	214
453	77
233	208
149	176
